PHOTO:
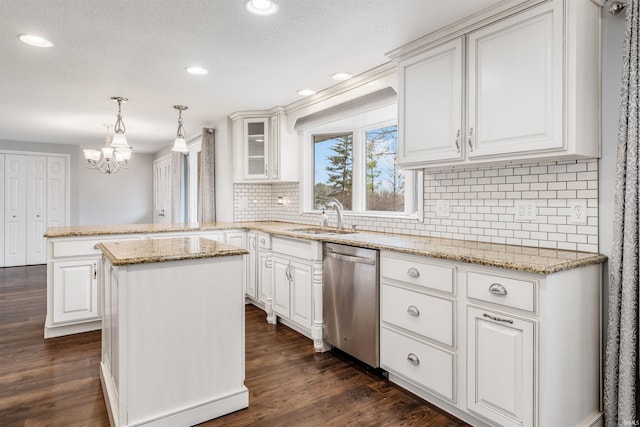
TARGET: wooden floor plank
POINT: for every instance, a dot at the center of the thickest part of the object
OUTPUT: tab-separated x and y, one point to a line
56	382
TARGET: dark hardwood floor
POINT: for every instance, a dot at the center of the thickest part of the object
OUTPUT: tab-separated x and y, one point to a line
56	382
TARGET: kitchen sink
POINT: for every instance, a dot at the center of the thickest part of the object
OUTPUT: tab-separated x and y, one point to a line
319	230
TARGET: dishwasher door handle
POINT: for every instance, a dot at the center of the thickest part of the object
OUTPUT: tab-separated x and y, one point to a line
351	258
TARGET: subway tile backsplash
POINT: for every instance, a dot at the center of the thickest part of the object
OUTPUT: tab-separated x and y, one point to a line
481	205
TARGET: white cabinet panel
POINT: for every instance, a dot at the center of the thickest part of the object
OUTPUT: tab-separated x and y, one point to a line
2	224
430	108
264	267
500	365
15	243
281	286
515	84
75	293
301	288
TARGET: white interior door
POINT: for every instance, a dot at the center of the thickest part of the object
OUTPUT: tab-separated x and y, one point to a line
162	191
15	210
57	192
36	210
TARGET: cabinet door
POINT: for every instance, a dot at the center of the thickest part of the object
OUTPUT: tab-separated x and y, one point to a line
281	286
256	148
301	288
252	267
75	290
36	210
274	152
500	367
430	106
515	84
264	267
15	229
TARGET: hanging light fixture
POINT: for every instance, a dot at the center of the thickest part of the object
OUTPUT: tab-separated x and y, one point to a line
180	144
115	155
119	140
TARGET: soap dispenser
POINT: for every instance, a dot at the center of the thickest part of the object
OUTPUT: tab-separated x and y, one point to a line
324	219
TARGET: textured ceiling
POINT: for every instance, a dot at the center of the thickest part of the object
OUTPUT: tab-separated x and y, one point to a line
140	48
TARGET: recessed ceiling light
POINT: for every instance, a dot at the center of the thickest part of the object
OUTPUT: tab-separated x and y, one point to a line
261	7
194	69
306	92
34	40
341	76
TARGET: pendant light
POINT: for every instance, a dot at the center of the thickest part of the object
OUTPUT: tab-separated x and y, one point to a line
180	145
119	140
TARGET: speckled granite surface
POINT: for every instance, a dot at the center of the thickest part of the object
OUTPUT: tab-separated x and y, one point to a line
101	230
521	258
147	251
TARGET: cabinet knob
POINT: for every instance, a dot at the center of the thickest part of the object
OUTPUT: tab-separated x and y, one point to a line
38	216
413	272
413	359
413	311
498	289
263	240
14	216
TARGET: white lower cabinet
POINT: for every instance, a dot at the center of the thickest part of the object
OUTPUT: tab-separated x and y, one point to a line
75	293
494	346
292	287
500	367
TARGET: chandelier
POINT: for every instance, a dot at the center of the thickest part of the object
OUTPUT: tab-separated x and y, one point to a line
116	153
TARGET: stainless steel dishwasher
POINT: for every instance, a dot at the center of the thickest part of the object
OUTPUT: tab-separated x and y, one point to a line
350	301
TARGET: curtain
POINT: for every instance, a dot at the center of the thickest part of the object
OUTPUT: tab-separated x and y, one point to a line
621	360
177	200
206	178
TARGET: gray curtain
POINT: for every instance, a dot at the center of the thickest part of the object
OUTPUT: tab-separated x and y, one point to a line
206	178
177	194
621	365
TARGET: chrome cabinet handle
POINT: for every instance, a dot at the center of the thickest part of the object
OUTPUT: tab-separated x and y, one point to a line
413	310
413	359
413	272
253	242
458	141
95	271
497	319
498	289
470	140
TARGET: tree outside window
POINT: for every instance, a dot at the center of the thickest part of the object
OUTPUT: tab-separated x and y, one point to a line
333	159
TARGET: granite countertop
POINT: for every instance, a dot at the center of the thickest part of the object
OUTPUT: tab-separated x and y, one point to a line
147	251
102	230
520	258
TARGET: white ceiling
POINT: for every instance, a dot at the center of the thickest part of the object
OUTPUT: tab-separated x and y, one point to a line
139	49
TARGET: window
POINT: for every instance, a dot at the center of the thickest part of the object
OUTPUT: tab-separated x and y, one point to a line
359	168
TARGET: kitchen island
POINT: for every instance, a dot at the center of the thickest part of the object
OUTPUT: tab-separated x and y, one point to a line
172	331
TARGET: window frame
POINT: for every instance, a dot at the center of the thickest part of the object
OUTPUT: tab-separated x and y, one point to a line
358	125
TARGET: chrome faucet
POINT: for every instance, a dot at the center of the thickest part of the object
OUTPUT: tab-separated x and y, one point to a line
336	204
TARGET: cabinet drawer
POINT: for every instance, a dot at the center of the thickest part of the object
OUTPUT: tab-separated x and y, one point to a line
299	248
264	240
425	315
76	248
418	272
81	247
510	292
422	364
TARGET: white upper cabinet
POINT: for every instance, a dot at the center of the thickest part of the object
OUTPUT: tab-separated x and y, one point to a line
530	85
430	111
263	149
515	84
